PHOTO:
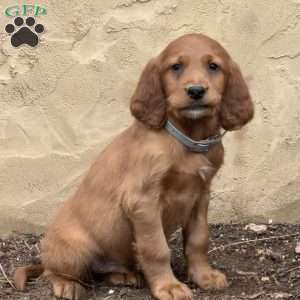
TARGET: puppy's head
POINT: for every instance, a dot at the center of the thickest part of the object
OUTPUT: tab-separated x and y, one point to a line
193	78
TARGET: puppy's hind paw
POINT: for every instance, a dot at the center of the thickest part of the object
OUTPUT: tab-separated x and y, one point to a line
69	290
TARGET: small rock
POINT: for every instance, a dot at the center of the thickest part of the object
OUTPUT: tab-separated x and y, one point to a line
260	251
2	254
110	292
297	249
265	278
256	228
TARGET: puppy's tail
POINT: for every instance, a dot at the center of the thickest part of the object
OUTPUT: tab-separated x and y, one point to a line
22	274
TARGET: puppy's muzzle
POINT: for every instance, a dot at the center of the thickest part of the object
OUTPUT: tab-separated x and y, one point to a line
196	92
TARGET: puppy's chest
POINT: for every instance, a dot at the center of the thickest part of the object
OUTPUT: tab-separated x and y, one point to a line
187	177
180	191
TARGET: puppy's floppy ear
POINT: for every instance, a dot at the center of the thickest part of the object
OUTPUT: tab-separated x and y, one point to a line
237	107
148	103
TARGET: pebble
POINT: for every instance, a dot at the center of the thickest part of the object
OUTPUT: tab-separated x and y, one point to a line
265	278
110	292
256	228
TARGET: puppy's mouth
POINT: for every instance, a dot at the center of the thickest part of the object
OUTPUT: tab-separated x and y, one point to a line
197	111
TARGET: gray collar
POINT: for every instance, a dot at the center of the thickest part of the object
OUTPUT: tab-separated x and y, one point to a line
194	146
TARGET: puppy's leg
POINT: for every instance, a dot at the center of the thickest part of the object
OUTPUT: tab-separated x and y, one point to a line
66	265
66	288
153	253
196	248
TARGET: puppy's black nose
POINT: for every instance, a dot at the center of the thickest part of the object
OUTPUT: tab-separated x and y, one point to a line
196	91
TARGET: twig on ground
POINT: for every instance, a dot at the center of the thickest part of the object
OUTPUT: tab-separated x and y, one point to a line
276	280
254	296
5	276
253	241
36	246
289	271
109	297
26	244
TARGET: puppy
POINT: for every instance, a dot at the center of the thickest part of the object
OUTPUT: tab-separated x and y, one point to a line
152	179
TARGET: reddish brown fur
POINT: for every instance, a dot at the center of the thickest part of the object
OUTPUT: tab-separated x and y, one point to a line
146	184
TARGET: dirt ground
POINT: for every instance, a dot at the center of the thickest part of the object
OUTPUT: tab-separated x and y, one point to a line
267	268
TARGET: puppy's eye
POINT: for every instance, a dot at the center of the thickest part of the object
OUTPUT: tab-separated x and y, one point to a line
177	67
213	67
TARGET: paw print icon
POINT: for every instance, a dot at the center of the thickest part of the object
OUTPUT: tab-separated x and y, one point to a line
24	32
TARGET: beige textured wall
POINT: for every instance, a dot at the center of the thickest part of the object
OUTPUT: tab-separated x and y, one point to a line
61	102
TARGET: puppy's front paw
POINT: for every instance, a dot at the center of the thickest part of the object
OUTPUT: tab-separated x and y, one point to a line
173	290
210	279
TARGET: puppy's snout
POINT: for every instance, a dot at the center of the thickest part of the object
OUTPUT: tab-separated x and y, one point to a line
196	92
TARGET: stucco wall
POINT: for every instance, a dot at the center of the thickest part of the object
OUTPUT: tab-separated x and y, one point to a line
63	101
